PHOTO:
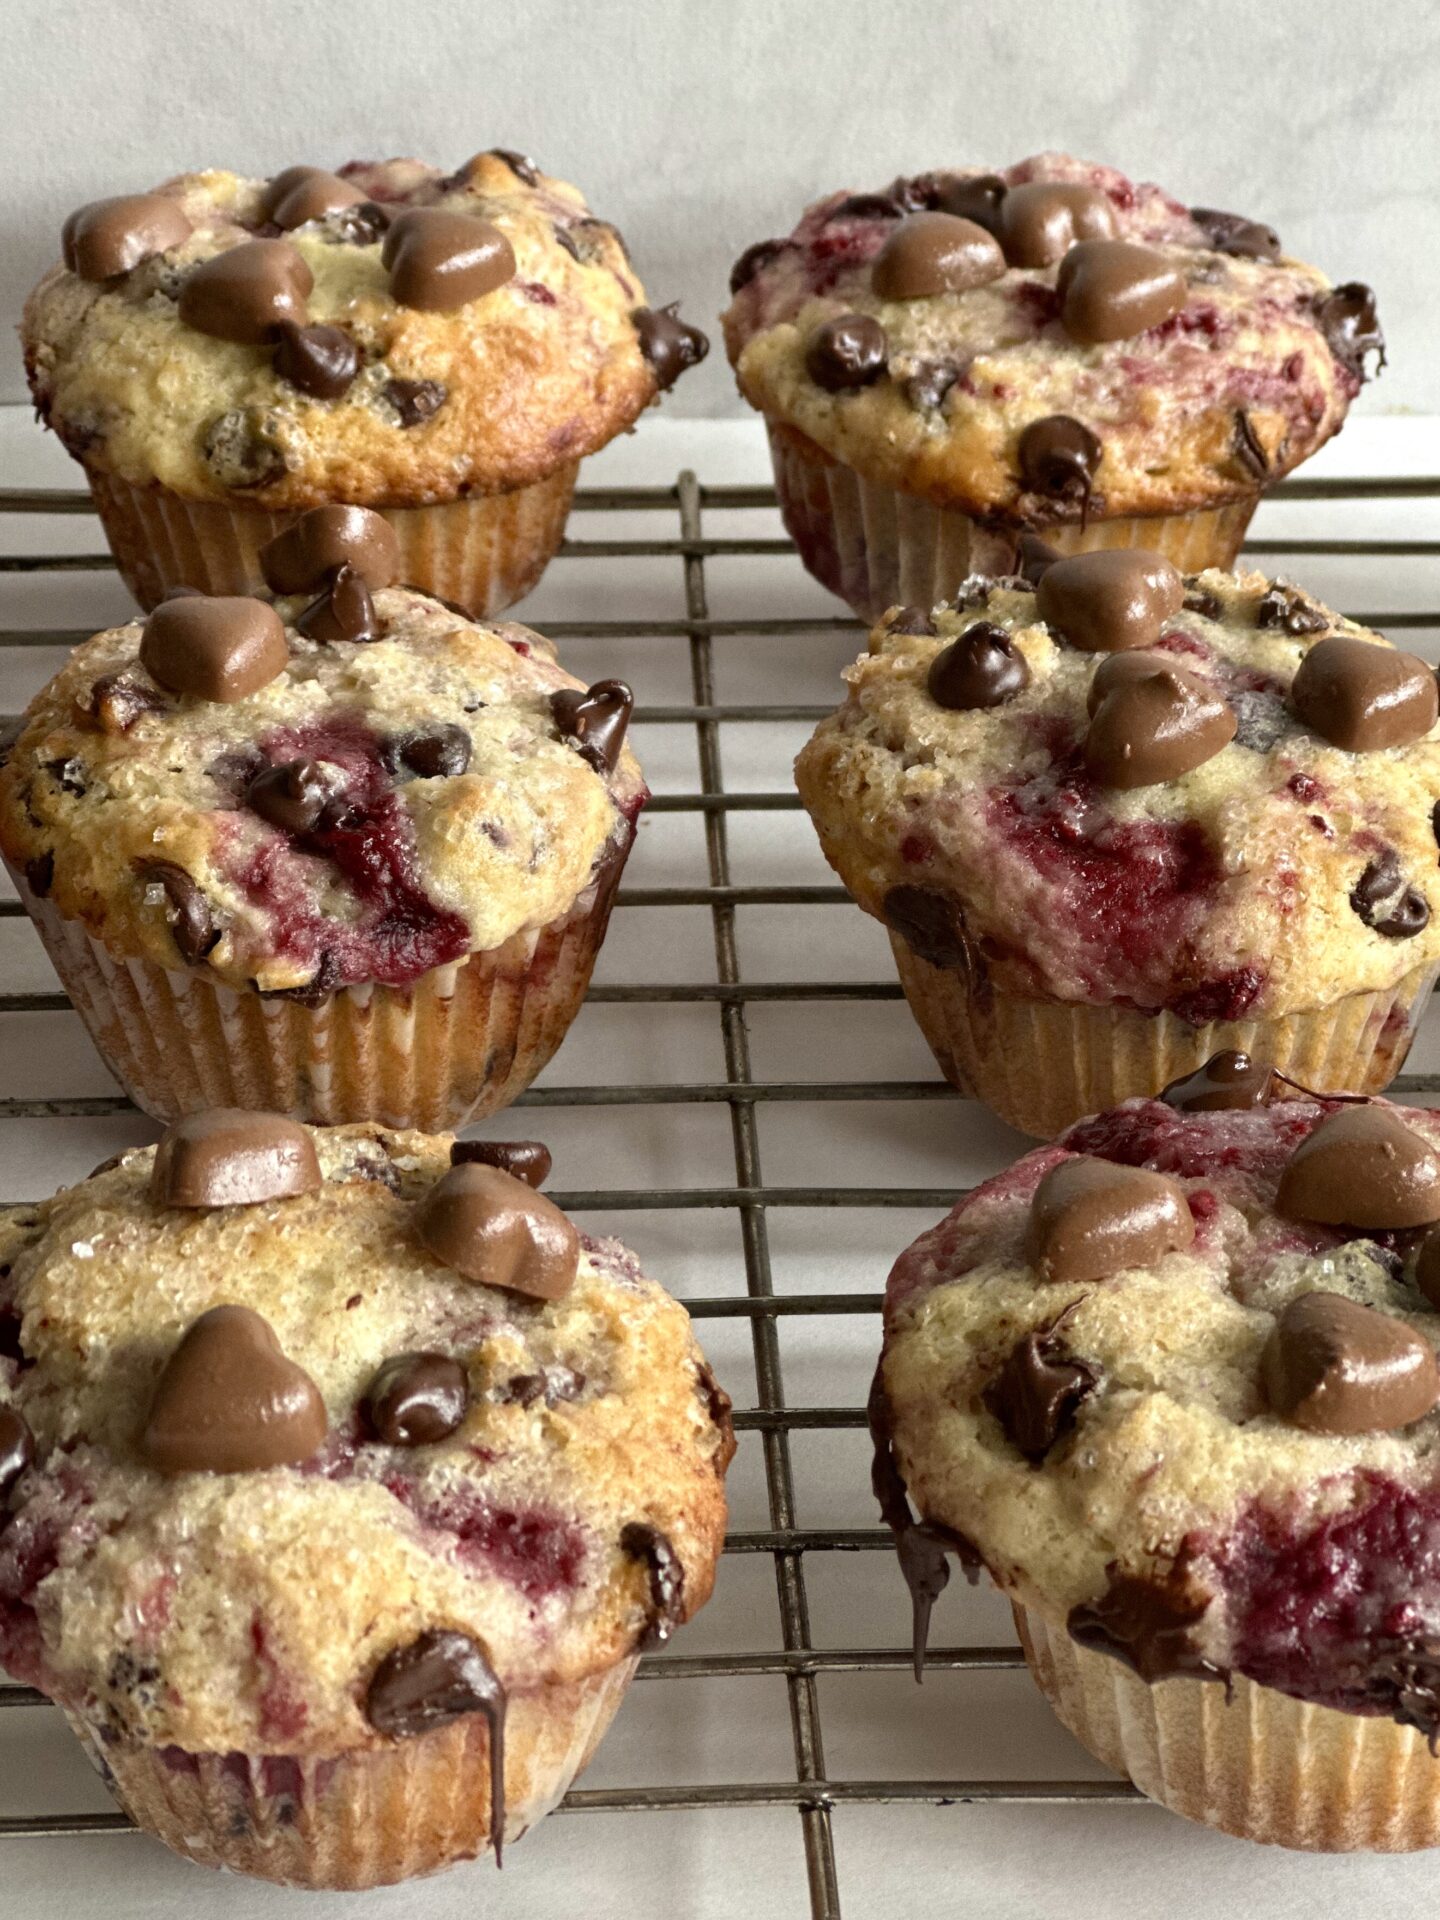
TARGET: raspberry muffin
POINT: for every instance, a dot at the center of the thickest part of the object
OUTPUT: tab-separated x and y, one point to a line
341	1483
1173	1382
341	854
224	353
967	356
1115	820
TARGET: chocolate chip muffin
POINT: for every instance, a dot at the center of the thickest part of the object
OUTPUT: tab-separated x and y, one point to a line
965	357
1115	820
223	353
341	1483
340	853
1173	1381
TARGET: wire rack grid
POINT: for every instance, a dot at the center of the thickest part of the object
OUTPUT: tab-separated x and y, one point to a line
812	1791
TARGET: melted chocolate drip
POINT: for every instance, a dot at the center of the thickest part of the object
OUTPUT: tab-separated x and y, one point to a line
667	1579
1148	1625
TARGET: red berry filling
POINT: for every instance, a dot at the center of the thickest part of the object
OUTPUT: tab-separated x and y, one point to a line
540	1553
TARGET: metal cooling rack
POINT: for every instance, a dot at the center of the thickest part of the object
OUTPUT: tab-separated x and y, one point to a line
812	1791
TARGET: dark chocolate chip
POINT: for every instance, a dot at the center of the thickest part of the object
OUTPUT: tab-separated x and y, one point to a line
441	1676
116	702
520	164
187	911
846	352
932	925
416	1399
316	990
39	874
528	1160
595	721
320	361
564	238
910	621
294	795
1038	1393
755	259
1351	326
977	198
69	775
1248	448
983	668
242	449
433	753
927	387
1058	456
1233	234
17	1449
866	206
344	612
670	345
364	224
1202	601
1384	901
416	401
667	1580
1229	1081
1149	1625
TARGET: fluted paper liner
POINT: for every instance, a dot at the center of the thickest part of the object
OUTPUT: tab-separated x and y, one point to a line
484	552
460	1042
880	548
1043	1064
1262	1767
372	1816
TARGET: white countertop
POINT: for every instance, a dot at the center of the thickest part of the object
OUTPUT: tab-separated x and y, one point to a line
892	1860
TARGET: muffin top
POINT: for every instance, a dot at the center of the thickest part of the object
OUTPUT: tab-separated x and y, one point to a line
304	794
276	1405
1212	796
1174	1379
388	335
1080	345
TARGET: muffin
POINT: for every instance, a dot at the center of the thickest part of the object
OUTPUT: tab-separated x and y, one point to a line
1115	820
341	854
345	1483
966	357
1173	1382
224	353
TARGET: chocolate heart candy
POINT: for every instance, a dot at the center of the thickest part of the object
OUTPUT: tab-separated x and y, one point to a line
230	1401
232	1157
979	198
247	293
17	1449
1091	1218
935	253
666	1573
214	649
343	613
416	1400
1155	722
1332	1365
1362	1167
295	795
846	352
1041	221
1232	233
1105	602
187	911
438	260
596	720
492	1228
1114	290
441	1676
1038	1392
320	361
313	548
983	668
670	345
1364	697
1058	455
301	194
527	1160
109	237
1229	1081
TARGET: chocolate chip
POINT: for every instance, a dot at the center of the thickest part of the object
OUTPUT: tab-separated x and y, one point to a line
1231	233
564	238
910	622
230	1401
1058	455
1351	326
248	292
846	352
1362	1167
1148	1624
1114	290
1092	1218
931	922
1229	1081
301	194
40	874
295	795
69	775
439	260
983	668
1034	558
520	164
110	237
1107	601
187	911
755	259
494	1229
316	990
441	1676
17	1449
1202	601
309	552
865	206
416	401
1384	901
232	1157
931	253
1332	1365
595	721
927	386
1363	697
434	753
1038	1392
527	1160
243	451
416	1400
115	702
667	1580
363	225
1248	448
1153	722
1286	607
978	198
1041	221
343	613
221	649
320	361
670	345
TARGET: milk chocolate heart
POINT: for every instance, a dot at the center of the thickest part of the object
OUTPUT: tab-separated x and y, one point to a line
438	260
1362	1167
310	551
935	253
110	237
1154	724
1041	221
1113	290
230	1401
494	1229
1332	1365
247	293
1363	697
300	194
1091	1218
233	1157
214	649
1106	602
